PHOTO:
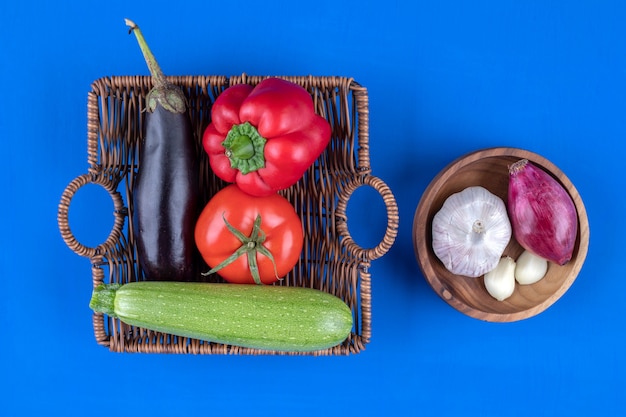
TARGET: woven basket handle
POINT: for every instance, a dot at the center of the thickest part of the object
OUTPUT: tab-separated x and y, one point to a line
63	213
392	217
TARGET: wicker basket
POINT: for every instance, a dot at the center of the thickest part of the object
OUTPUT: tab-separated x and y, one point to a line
331	261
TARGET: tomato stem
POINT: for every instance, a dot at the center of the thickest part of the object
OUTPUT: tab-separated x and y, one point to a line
250	246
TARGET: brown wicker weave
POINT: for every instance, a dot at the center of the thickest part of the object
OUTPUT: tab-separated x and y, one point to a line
331	261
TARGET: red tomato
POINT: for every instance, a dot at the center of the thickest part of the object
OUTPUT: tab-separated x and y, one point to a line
278	234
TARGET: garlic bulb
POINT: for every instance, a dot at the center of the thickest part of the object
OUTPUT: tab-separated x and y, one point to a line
500	282
471	231
530	268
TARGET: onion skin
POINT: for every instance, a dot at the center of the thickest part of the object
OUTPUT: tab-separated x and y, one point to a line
542	213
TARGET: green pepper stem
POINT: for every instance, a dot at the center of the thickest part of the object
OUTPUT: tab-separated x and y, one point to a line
164	92
244	146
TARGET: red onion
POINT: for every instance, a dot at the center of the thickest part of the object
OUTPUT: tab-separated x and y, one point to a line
542	213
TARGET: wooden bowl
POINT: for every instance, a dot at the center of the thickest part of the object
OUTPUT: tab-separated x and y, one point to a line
489	168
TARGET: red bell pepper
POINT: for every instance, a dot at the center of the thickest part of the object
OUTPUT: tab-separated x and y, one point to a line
264	138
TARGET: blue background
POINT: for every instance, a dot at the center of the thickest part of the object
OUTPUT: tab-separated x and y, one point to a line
444	78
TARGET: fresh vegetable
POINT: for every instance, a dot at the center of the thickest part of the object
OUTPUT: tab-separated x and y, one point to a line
264	138
471	231
255	316
267	230
165	190
530	268
500	281
542	213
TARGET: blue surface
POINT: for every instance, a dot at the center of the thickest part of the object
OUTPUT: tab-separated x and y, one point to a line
444	78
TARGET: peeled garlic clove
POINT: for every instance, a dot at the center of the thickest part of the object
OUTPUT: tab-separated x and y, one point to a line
471	231
530	268
500	282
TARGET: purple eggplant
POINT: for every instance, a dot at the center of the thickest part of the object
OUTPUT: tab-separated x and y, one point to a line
165	190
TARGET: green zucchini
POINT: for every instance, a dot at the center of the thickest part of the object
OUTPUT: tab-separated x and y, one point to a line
255	316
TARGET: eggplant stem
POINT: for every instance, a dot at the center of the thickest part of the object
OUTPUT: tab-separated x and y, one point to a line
163	92
158	76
